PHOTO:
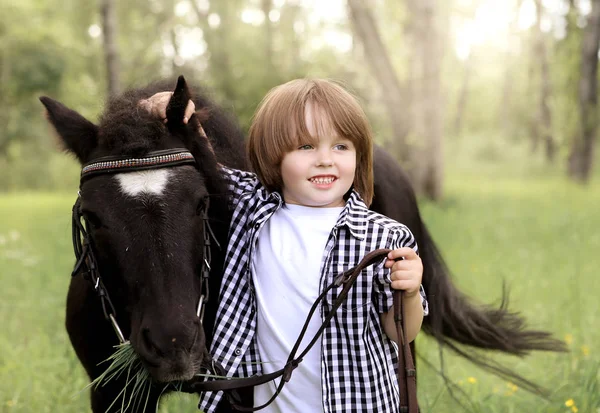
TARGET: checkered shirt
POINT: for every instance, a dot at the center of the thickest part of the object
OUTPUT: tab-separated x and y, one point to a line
358	360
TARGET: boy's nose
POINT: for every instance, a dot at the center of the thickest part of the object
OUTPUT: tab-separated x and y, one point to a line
325	162
325	158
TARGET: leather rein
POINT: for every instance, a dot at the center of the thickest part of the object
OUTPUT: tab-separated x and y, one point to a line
406	373
86	265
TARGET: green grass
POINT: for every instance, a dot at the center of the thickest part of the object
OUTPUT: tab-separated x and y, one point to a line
541	235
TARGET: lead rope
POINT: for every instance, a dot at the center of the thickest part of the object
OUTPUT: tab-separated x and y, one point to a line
406	372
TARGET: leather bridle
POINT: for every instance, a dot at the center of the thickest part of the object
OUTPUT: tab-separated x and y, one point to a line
86	264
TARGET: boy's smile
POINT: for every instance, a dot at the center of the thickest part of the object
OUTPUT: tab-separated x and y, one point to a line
319	174
323	181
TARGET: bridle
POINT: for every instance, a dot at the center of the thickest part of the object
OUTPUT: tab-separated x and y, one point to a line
86	264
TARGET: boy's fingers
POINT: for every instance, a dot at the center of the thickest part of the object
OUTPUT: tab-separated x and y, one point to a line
189	111
145	104
404	252
405	285
403	265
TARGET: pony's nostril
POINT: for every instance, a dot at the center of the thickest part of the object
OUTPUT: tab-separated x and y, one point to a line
150	346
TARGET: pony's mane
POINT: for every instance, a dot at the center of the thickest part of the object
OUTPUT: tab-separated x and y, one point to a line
128	129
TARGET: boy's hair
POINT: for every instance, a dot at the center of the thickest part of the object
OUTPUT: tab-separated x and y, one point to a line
279	126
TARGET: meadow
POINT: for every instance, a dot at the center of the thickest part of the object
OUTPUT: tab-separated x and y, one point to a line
530	229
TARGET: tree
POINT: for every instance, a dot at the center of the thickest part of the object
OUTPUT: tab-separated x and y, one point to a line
394	95
544	116
582	149
426	167
424	160
111	54
509	72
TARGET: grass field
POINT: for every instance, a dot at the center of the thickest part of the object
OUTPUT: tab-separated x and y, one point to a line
540	235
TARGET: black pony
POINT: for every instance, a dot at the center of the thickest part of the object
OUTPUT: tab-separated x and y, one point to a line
146	230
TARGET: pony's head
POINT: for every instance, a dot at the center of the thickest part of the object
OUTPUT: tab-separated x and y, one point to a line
146	226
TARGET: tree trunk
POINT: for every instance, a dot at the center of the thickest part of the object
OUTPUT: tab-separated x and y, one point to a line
111	54
174	65
582	150
394	96
507	89
218	44
544	116
427	166
269	65
463	95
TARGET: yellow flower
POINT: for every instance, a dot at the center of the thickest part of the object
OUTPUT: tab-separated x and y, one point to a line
570	403
472	380
10	403
585	350
513	387
569	339
574	409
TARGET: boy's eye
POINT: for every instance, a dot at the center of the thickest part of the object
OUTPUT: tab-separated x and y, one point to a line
305	147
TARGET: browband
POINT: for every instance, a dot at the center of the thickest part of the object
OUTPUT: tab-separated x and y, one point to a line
152	160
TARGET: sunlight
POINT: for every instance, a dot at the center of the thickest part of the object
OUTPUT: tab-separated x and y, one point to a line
491	24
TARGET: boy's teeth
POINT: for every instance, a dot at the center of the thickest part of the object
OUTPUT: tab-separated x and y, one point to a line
322	180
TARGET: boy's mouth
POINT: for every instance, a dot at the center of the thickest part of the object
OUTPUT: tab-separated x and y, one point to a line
322	180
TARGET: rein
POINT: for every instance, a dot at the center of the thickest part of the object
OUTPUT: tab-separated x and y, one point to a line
86	263
405	372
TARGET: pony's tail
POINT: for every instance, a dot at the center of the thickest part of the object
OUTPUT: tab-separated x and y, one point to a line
454	321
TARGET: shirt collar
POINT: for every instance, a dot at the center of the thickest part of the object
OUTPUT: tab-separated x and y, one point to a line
354	216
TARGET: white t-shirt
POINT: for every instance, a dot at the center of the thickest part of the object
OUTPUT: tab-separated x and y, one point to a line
286	272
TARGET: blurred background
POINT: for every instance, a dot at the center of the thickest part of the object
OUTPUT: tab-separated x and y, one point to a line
489	105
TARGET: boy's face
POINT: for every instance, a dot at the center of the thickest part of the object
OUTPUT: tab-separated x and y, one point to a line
319	175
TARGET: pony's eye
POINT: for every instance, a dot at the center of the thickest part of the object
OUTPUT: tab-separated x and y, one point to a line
92	219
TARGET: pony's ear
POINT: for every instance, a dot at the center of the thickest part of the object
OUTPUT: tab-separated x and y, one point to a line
79	135
177	104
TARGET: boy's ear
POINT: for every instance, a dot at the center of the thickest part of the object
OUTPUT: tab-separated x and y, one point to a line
78	135
177	105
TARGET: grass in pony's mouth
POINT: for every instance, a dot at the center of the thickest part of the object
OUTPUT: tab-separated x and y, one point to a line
138	382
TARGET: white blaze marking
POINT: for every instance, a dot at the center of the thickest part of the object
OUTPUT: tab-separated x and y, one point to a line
144	182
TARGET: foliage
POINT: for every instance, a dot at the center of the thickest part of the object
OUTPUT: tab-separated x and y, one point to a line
58	52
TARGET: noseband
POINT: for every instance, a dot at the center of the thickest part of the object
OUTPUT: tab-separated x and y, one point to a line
86	263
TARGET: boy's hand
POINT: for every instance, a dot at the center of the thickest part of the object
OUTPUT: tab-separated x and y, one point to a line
157	106
406	273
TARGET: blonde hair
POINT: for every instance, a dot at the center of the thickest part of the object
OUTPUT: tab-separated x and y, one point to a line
279	126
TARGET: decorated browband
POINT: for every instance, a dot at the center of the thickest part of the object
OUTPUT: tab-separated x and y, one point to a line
152	160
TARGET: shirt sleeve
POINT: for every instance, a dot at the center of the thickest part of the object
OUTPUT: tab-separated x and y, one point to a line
382	290
238	183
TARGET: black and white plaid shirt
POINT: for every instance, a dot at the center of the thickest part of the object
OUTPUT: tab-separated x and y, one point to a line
358	359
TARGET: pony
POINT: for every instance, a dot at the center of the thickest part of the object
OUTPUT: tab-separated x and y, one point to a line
154	229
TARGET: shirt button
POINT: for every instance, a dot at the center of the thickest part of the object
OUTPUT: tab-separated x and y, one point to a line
238	351
257	225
